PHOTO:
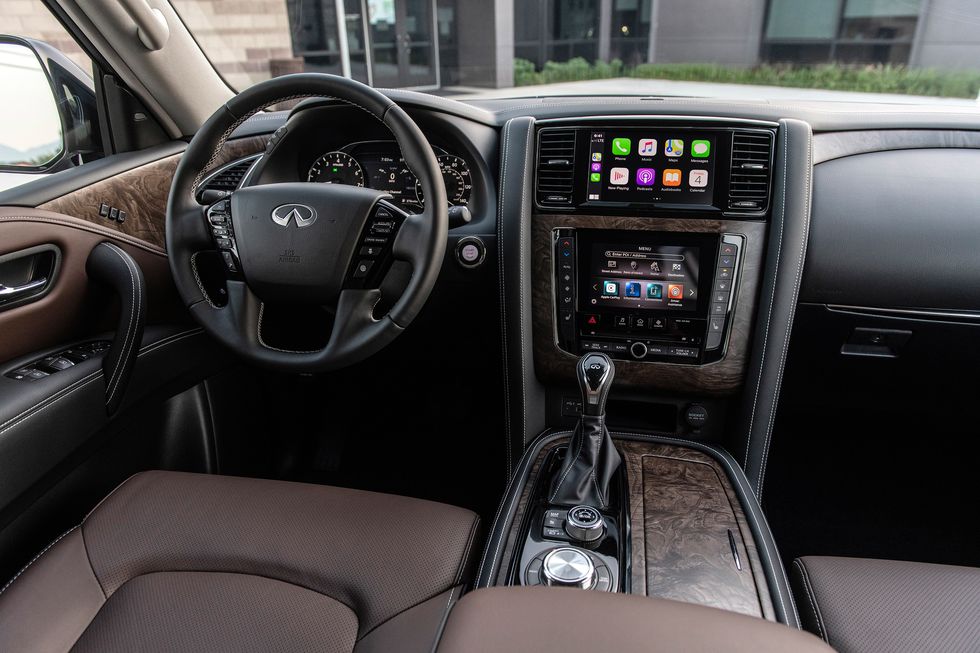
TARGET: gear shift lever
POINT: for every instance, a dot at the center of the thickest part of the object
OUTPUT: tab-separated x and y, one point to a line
595	376
591	459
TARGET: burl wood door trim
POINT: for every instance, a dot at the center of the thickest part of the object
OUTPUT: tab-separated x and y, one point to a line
720	378
142	193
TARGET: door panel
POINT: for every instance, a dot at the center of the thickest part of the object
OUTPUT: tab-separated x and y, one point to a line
141	193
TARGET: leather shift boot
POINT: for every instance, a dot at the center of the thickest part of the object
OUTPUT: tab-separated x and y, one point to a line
589	465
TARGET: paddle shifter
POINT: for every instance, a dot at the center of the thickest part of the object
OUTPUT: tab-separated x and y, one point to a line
591	460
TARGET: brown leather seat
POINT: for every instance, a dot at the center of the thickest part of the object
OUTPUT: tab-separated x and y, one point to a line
564	620
189	562
860	605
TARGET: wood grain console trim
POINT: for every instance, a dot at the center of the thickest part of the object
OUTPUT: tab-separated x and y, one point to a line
682	506
724	377
141	192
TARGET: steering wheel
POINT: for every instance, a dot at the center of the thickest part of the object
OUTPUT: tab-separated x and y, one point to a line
305	243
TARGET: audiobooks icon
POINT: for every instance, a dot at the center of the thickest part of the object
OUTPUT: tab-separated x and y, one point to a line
672	177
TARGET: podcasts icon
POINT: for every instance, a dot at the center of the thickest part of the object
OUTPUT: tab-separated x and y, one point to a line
646	176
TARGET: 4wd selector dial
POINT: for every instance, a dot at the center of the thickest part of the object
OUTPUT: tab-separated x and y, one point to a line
584	523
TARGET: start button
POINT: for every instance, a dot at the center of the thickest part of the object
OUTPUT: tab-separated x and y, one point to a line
470	252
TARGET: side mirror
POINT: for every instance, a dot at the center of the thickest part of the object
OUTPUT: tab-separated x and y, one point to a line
49	117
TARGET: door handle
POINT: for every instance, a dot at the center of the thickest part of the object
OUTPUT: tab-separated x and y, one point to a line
27	275
13	293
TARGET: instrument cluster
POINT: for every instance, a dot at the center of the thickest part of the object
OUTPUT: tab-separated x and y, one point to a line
379	165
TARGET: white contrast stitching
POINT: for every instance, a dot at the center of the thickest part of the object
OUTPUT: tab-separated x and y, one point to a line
765	340
35	558
810	597
503	297
200	284
792	315
84	225
268	346
130	337
524	288
41	405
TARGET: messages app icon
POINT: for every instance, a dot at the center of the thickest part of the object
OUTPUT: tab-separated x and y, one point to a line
621	146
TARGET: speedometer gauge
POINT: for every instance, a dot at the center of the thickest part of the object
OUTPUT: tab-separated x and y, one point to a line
337	168
456	177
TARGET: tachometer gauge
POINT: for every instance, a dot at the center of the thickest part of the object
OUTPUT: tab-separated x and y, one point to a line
456	176
337	168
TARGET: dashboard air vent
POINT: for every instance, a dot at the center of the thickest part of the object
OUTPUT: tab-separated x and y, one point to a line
751	162
556	167
224	180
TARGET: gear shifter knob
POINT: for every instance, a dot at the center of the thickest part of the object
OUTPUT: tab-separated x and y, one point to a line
595	377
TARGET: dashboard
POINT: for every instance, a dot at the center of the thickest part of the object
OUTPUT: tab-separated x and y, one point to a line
379	164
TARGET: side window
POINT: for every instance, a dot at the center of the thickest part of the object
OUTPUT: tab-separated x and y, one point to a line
53	123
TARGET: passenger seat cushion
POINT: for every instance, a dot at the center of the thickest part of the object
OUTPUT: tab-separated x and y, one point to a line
859	605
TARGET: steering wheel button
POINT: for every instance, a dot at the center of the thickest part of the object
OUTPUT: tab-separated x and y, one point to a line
369	250
229	259
363	268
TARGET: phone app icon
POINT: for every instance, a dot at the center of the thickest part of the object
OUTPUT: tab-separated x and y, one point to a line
674	147
610	289
632	289
595	176
646	176
621	146
672	177
596	167
700	149
655	291
597	156
697	178
647	147
675	291
619	176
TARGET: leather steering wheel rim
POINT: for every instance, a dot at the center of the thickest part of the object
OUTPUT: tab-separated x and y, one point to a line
356	334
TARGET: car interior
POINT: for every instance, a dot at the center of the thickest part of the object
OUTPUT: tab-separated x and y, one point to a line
322	366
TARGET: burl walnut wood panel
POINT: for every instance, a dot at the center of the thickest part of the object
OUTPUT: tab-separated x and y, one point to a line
141	192
681	509
720	378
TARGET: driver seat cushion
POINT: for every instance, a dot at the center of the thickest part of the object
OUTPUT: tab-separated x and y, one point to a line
174	561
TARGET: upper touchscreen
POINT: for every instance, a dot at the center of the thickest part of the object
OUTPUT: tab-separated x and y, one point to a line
651	166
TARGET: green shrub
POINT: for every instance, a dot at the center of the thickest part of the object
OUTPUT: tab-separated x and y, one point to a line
870	78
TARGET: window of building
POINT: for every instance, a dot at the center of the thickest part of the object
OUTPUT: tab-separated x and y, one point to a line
846	31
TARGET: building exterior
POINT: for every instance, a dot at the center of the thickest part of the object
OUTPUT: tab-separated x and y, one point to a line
429	44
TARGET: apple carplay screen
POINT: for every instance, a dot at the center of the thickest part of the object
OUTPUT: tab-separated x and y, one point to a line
644	277
650	167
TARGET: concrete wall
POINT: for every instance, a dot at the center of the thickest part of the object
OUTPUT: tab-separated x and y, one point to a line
708	31
485	32
948	35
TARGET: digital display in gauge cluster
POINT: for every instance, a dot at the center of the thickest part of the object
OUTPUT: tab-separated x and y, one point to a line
379	165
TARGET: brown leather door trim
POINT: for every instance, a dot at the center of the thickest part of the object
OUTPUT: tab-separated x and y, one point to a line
74	307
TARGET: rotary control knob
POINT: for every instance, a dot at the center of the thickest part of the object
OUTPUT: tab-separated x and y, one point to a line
568	567
584	524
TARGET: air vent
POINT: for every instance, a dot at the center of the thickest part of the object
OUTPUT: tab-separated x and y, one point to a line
556	167
224	180
751	162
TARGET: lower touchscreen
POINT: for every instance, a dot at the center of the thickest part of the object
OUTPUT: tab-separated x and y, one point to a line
645	277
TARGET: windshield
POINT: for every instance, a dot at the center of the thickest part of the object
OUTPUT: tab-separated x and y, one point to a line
918	51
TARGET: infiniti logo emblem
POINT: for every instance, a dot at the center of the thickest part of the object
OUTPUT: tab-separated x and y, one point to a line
303	215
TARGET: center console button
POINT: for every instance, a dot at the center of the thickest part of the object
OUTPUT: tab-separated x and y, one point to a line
719	309
728	249
685	352
584	523
638	350
658	323
568	567
724	273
